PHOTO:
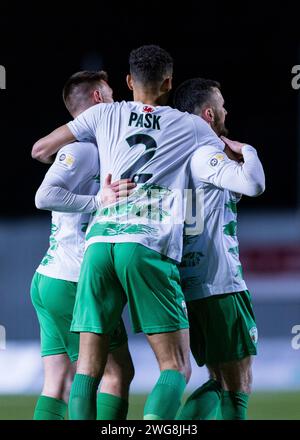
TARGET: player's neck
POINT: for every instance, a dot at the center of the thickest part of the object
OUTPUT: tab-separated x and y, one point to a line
150	98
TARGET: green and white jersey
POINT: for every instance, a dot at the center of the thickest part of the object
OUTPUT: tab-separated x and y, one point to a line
69	186
210	263
152	146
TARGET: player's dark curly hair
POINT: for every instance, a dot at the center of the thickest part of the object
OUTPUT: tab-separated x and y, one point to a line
150	64
78	86
193	93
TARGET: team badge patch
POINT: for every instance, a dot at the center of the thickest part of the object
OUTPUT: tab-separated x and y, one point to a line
183	305
216	159
253	334
148	109
66	159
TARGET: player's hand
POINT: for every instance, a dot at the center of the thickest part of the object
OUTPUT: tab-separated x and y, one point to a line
112	192
234	146
232	155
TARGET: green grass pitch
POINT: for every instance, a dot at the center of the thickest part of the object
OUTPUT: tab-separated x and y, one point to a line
263	406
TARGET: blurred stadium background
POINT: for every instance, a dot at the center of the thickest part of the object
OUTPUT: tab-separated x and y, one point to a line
253	62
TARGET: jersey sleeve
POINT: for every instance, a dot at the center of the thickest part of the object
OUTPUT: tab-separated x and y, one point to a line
84	126
211	165
70	168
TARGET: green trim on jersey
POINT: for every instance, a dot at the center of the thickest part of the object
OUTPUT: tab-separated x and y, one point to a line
222	328
149	209
230	228
48	258
232	205
234	250
96	178
239	272
52	239
84	226
144	205
110	229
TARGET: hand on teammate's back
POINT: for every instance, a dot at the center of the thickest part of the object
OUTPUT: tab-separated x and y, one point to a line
113	191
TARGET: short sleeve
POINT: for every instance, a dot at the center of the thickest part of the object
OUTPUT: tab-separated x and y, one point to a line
84	126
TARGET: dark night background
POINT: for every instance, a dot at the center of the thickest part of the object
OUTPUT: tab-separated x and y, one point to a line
250	48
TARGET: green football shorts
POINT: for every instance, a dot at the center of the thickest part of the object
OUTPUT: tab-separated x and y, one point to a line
115	273
53	300
222	328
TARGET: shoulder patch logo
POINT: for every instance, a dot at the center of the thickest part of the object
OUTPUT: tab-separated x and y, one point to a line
253	334
213	162
66	159
219	157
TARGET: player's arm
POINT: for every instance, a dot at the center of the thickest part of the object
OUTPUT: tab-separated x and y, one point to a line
71	167
56	192
52	196
44	149
212	165
82	128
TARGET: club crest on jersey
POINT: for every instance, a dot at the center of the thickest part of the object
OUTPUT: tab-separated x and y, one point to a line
253	334
148	109
216	159
66	159
183	305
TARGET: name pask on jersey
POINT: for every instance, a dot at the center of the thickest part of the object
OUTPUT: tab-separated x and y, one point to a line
152	146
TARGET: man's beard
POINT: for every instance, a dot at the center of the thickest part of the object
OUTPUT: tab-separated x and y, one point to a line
219	127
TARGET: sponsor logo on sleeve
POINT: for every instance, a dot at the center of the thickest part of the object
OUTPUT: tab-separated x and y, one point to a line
216	159
66	159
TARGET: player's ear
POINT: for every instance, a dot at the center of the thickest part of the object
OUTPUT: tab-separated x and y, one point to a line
167	84
208	115
129	82
97	96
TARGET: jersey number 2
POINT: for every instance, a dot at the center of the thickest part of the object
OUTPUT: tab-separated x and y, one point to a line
150	147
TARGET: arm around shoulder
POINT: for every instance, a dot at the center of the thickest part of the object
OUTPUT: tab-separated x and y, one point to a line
253	171
46	147
211	165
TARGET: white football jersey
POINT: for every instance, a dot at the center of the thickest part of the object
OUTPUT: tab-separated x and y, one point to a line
210	263
152	146
76	170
